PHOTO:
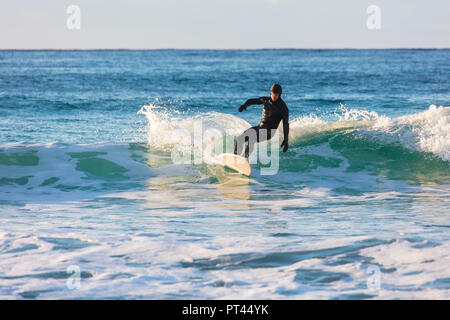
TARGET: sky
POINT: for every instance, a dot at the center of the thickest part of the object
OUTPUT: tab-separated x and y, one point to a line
224	24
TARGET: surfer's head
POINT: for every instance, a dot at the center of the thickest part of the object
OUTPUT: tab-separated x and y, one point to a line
275	92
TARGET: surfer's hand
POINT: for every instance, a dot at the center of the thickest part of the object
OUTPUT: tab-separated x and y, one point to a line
285	144
243	107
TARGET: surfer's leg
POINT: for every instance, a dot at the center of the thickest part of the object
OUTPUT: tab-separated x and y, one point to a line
239	144
249	148
262	134
248	137
251	138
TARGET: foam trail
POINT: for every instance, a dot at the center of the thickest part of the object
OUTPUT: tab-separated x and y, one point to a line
203	133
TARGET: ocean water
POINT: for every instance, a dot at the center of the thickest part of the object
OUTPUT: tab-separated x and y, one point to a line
93	205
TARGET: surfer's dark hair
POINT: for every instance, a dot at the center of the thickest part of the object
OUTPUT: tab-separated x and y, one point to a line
276	88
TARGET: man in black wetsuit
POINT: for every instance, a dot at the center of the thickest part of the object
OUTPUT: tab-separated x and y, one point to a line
274	110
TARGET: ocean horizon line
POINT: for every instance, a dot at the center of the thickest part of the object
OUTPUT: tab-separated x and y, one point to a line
215	49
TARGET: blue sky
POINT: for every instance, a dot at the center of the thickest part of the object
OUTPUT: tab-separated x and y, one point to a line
228	24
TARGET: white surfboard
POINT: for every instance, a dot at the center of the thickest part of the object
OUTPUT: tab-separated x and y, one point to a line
235	162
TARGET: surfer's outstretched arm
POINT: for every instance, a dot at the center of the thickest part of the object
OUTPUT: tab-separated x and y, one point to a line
250	102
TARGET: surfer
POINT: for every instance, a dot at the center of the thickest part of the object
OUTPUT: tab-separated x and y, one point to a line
274	110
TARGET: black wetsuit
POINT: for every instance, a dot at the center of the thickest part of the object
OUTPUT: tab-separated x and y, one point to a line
272	114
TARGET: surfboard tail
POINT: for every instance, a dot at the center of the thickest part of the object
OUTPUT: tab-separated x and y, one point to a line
235	162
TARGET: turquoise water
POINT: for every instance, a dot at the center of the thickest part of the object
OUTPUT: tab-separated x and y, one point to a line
93	204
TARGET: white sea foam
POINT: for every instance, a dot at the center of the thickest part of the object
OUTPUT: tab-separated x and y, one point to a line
163	122
162	266
427	131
